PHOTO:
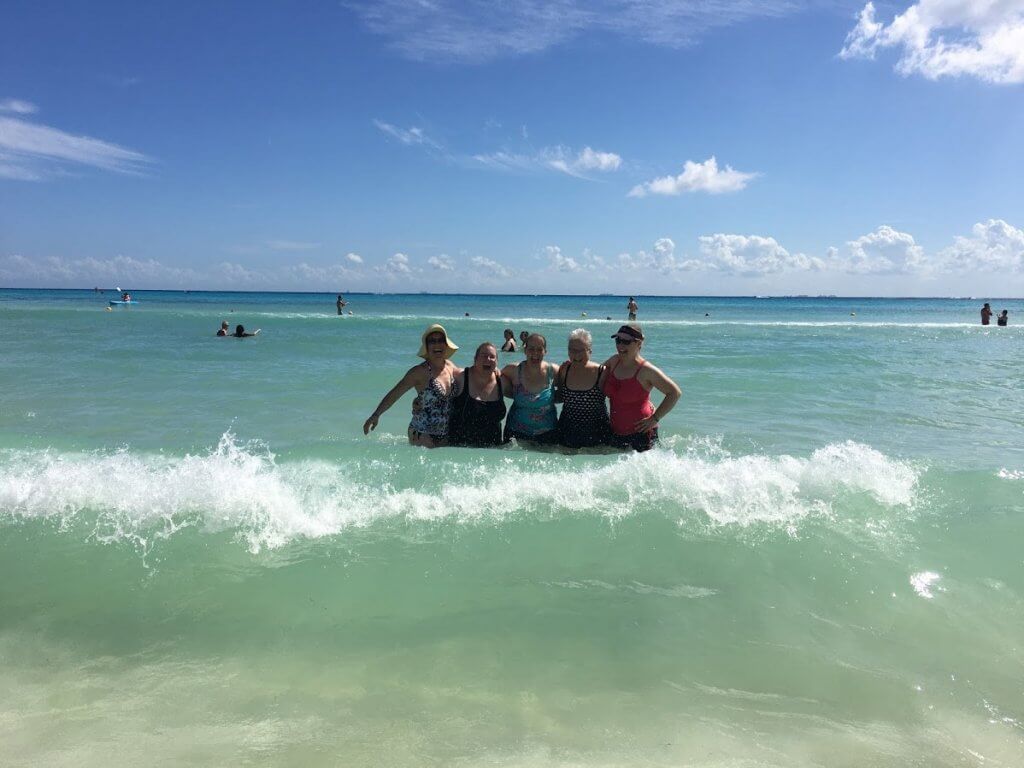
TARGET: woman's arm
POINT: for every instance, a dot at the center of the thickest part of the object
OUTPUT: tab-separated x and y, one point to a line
653	377
508	380
406	383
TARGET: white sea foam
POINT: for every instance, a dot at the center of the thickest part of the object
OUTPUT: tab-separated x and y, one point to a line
1010	474
637	588
242	488
924	583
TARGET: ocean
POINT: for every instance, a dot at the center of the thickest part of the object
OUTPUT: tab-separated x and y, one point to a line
203	561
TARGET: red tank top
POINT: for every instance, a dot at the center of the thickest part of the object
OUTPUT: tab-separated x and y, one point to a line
629	400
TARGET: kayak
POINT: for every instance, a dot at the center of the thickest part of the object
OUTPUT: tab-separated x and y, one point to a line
120	303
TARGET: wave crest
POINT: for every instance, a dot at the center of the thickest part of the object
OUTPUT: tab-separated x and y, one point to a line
241	487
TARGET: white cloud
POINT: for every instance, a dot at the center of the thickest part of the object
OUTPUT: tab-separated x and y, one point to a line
355	258
662	258
442	263
126	270
696	177
291	245
242	277
18	107
884	251
587	160
560	262
592	160
30	151
489	266
753	255
409	136
13	167
557	158
396	266
995	245
478	31
947	38
318	276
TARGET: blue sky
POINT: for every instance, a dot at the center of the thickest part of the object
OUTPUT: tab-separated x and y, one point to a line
627	146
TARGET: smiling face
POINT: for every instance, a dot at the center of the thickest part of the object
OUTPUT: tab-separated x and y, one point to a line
436	346
536	347
486	358
579	352
627	347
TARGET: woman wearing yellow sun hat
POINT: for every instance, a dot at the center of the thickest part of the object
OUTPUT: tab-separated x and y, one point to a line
434	380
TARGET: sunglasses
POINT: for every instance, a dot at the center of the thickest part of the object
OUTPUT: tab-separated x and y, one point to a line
624	342
435	339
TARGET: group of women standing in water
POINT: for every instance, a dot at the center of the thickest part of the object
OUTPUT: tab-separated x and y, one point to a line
456	406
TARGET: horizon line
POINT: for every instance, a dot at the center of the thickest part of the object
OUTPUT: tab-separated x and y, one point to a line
528	295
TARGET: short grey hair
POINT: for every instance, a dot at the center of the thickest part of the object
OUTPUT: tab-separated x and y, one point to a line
582	334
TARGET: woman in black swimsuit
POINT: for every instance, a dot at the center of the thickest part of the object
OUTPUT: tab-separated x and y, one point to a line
479	404
584	419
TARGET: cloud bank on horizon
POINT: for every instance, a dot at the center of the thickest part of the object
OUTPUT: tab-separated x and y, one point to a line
994	247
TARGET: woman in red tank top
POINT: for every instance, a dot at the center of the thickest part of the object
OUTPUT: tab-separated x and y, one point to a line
628	385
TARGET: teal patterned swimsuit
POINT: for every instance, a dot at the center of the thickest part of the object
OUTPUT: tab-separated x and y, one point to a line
533	414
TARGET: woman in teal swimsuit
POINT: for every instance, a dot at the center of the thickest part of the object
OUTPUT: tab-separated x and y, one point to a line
533	415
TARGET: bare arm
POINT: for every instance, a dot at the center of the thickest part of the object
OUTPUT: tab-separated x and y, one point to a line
406	383
508	380
654	378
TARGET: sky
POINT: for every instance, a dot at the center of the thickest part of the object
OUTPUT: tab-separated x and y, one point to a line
674	147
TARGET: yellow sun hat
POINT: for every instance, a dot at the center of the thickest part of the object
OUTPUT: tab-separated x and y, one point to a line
435	328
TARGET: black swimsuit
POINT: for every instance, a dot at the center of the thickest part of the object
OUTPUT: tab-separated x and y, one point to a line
584	419
476	422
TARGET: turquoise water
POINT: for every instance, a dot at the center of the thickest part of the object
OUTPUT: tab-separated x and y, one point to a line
203	561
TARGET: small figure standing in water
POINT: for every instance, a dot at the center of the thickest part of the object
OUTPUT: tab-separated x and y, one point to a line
632	308
241	333
986	314
523	336
1003	318
340	304
510	341
223	328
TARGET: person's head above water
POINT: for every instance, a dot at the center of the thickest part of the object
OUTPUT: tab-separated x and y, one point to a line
509	334
535	347
486	357
580	345
239	330
435	343
224	325
629	339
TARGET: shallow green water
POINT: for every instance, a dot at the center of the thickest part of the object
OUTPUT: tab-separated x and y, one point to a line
204	562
